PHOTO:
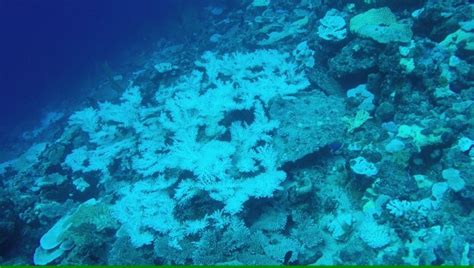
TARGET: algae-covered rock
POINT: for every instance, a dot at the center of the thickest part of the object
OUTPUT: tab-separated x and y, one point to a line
307	123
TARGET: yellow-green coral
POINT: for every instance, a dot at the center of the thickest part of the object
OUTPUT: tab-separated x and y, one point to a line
419	139
97	214
408	64
358	120
89	217
381	25
289	30
459	38
260	3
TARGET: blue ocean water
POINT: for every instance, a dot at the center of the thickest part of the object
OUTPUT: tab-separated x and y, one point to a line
52	51
237	132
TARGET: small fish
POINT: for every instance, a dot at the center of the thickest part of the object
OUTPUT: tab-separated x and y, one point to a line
287	257
335	146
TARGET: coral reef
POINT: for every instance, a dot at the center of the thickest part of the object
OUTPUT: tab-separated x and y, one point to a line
278	132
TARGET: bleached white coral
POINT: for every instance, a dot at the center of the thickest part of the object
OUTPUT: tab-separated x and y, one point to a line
143	210
373	234
341	225
98	159
304	54
181	132
333	26
263	74
86	119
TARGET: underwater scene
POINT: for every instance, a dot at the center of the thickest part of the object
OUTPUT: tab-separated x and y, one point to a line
237	132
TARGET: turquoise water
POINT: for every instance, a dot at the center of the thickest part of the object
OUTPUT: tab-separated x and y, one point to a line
238	132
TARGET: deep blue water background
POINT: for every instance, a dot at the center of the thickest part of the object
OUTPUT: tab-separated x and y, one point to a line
50	48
